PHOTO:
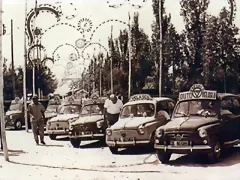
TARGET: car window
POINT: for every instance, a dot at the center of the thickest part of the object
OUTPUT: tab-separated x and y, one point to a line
226	106
162	105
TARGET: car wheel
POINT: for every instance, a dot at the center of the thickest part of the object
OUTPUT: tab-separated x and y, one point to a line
18	124
216	152
52	136
164	157
75	142
114	150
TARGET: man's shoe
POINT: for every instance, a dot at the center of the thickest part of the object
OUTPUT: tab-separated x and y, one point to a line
37	143
43	142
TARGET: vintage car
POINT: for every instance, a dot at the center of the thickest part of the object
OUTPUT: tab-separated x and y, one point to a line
90	125
203	122
138	121
52	108
68	112
14	117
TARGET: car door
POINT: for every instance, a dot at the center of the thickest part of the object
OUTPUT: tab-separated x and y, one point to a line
228	130
236	112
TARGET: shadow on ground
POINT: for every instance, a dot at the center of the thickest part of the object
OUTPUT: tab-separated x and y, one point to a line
229	157
137	150
13	152
96	144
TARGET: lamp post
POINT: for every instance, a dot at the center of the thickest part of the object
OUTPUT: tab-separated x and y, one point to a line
129	46
160	48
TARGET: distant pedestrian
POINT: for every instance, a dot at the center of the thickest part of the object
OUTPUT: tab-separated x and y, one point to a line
36	111
113	109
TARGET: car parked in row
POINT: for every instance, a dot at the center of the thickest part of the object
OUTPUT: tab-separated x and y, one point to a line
68	112
138	121
203	122
90	125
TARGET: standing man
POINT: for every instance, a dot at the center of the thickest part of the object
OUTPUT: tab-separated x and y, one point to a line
113	108
106	104
36	111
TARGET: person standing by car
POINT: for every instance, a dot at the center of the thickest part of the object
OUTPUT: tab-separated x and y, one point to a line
36	111
113	108
106	104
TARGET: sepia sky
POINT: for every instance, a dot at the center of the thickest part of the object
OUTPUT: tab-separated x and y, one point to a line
95	10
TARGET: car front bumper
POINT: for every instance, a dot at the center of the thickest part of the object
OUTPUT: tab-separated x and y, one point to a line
86	136
126	143
183	149
57	132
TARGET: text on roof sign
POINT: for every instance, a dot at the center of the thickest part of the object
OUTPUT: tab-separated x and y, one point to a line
197	91
138	97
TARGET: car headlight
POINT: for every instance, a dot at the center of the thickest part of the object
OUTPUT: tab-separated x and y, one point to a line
109	132
202	133
10	117
72	120
159	133
49	123
71	127
99	124
141	129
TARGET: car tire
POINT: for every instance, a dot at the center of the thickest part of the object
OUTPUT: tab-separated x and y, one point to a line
52	136
164	157
216	152
114	150
75	142
18	124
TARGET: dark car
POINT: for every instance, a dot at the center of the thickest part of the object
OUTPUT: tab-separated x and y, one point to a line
90	124
14	117
203	121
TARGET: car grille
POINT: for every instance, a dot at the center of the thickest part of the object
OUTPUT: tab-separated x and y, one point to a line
58	126
190	137
125	135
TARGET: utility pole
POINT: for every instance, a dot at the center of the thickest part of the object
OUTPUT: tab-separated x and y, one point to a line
25	73
160	48
111	68
12	54
130	56
3	132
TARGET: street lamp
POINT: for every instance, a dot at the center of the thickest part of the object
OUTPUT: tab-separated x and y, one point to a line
129	45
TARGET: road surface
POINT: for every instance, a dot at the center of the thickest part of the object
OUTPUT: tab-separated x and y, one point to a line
93	160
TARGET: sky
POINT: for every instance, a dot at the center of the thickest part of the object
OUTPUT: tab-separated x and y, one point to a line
97	11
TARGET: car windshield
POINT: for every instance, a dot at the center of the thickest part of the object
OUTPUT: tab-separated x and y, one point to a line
196	108
69	109
16	107
52	108
138	110
93	109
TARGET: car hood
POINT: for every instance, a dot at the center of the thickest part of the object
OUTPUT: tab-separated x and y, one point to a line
188	124
63	117
50	114
131	123
88	119
12	112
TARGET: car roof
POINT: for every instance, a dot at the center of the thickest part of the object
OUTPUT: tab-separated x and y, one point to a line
158	99
223	95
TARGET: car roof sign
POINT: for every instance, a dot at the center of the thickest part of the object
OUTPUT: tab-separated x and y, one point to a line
197	91
138	97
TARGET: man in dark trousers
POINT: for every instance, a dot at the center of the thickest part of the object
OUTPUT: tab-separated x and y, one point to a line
36	111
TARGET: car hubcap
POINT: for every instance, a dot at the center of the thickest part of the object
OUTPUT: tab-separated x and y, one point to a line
19	124
217	149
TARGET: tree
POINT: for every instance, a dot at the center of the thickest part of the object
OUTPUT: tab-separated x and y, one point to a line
194	13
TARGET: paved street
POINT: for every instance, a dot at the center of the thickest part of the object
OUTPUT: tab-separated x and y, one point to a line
58	160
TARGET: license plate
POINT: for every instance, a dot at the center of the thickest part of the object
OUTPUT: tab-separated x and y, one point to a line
124	139
179	143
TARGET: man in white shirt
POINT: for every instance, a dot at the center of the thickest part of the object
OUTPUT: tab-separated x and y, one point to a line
113	108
